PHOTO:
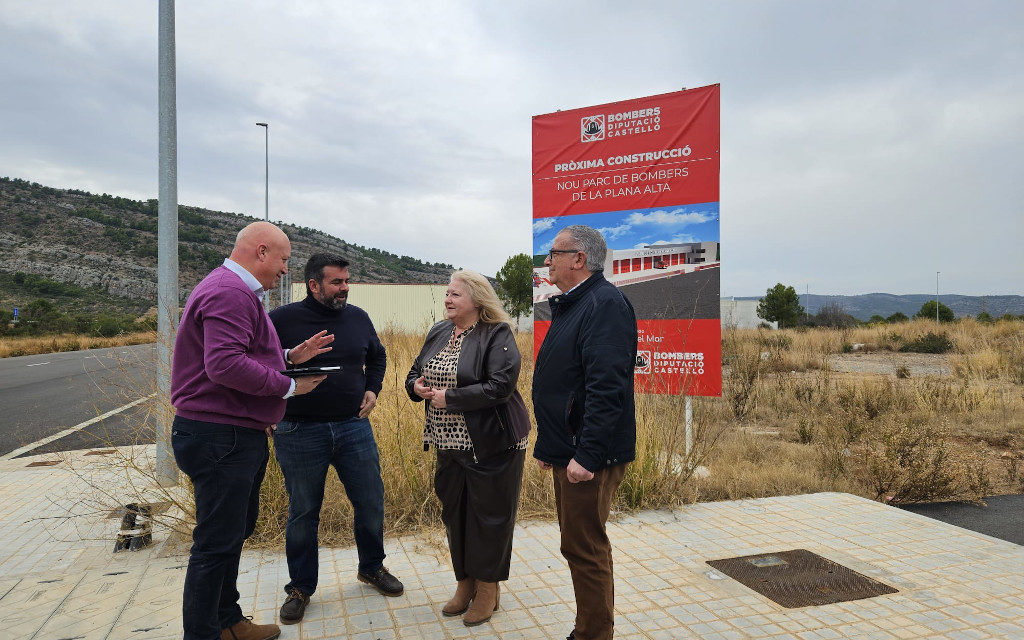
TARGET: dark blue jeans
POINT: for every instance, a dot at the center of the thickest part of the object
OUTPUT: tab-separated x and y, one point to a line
305	451
226	464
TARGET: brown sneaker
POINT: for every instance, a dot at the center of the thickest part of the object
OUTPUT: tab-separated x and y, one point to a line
294	607
246	629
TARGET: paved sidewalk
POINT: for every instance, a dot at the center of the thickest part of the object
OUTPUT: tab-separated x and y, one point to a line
59	579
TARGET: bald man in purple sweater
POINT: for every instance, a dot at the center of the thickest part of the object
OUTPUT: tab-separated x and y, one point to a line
228	391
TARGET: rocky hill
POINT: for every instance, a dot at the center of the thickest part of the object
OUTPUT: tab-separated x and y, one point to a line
99	251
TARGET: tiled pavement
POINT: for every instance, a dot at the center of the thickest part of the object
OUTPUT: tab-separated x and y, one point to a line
59	579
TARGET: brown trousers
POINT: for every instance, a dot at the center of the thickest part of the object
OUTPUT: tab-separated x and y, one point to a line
583	510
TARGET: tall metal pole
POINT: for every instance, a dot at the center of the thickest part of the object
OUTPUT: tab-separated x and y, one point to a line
266	169
936	297
266	188
167	240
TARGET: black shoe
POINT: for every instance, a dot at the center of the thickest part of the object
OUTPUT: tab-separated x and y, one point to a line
294	607
382	581
571	636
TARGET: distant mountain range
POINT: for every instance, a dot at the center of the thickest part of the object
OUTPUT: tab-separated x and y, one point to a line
98	252
866	305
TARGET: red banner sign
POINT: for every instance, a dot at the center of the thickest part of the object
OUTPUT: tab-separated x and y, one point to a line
644	172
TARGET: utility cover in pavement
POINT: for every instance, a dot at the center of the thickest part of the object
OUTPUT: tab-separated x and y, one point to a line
799	578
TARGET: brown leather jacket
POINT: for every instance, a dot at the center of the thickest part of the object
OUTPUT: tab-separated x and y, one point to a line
485	393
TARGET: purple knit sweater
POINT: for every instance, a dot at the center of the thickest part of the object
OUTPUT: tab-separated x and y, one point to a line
227	357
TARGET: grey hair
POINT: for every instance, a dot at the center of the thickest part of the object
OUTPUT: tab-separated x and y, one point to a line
591	242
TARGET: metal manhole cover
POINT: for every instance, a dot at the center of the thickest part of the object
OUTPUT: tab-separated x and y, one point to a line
43	463
799	578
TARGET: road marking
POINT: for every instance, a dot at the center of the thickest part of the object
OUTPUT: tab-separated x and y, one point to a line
77	427
37	364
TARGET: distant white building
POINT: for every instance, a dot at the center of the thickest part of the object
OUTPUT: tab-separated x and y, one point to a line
402	308
742	314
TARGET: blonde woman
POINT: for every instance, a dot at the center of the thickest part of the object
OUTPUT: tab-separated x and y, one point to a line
477	422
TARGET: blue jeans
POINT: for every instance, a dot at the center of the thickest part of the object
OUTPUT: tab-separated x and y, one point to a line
226	464
305	451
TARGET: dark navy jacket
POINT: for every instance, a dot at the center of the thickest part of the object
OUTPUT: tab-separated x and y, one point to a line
583	379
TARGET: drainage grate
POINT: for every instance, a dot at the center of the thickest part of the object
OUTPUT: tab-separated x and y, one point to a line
800	578
43	463
101	452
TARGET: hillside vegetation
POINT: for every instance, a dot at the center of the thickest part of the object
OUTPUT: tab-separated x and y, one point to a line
98	252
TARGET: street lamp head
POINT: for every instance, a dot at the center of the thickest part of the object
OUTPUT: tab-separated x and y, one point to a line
262	124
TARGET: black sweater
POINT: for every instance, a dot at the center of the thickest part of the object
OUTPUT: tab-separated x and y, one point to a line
356	347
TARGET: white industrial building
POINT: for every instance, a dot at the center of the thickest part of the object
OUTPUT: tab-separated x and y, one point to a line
742	314
402	308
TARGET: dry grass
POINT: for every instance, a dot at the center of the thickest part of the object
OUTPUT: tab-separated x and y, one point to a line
786	424
12	347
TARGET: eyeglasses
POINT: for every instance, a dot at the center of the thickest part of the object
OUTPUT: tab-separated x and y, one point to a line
551	254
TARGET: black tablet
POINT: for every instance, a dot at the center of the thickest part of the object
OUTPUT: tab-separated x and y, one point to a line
310	371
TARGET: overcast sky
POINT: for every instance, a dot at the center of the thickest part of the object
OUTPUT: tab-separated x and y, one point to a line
865	145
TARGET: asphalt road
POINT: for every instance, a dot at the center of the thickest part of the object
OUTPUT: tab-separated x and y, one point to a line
44	394
693	295
1002	517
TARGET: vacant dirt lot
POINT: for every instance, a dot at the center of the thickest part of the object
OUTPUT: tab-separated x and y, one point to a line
886	363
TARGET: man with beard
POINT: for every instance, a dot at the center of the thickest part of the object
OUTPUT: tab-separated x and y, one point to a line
329	427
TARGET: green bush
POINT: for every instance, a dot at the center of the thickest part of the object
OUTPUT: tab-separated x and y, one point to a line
931	342
106	326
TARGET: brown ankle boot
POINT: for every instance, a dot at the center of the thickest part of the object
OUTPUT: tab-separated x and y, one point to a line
460	601
245	629
485	603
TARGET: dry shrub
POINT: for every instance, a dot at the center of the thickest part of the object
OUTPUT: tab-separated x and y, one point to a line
873	397
907	463
986	364
949	396
743	372
750	466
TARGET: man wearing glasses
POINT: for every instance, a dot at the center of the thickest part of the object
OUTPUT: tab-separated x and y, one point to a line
586	423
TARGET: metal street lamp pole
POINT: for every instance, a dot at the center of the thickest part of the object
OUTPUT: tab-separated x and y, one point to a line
167	238
936	297
266	169
266	188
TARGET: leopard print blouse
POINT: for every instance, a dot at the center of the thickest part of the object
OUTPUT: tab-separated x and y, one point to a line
447	429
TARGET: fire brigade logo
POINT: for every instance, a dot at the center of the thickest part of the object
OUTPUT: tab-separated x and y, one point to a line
643	362
592	128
